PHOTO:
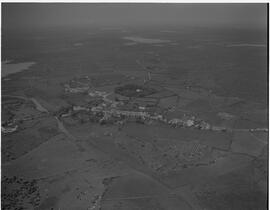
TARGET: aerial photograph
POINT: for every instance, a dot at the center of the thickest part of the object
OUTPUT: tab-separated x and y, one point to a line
134	106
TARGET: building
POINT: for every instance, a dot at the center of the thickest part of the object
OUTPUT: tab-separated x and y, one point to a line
9	129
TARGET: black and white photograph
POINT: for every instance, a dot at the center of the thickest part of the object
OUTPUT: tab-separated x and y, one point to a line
134	106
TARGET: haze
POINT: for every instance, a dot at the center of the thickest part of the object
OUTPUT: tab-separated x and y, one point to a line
39	15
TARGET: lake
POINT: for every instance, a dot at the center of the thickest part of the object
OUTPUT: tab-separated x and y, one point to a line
146	40
11	68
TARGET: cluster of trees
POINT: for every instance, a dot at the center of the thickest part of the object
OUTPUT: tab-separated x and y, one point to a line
133	90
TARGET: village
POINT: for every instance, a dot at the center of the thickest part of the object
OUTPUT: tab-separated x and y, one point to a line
17	111
125	104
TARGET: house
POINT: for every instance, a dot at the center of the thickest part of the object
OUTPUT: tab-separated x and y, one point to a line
9	129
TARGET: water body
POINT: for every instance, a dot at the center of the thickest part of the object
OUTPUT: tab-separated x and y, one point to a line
10	68
246	45
78	44
168	31
130	43
142	40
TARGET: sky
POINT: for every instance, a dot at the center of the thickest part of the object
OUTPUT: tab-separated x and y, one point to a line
42	15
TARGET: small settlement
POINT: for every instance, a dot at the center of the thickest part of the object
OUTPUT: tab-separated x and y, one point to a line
126	103
16	111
